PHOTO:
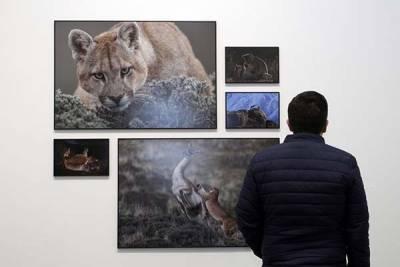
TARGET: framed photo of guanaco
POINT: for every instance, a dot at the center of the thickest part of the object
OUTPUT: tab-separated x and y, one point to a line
251	64
181	193
135	75
81	157
252	110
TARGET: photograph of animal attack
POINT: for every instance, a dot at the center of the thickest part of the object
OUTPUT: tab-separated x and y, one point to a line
251	64
249	110
81	157
181	193
135	75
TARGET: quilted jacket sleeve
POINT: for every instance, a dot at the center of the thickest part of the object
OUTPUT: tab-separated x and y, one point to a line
357	222
249	214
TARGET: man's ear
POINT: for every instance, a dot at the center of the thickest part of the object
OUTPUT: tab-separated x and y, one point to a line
129	34
80	43
326	126
288	124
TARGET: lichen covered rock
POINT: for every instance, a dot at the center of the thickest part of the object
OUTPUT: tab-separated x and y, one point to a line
178	102
70	113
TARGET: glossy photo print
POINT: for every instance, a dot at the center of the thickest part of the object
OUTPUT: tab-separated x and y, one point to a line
135	75
251	64
81	157
181	193
249	110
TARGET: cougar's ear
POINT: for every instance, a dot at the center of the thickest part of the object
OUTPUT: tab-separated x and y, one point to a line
129	34
80	43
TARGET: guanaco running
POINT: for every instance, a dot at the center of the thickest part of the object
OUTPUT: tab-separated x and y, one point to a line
190	201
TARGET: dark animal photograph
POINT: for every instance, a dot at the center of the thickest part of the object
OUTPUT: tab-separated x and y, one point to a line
81	157
135	75
249	110
181	193
251	64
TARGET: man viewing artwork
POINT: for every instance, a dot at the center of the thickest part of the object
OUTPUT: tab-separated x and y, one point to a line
303	202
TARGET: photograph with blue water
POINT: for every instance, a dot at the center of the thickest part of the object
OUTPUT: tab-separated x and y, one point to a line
249	110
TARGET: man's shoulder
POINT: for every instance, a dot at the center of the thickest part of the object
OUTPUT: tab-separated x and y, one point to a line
290	150
266	153
340	151
342	155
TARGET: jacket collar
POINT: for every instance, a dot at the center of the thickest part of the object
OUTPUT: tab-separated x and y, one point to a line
299	137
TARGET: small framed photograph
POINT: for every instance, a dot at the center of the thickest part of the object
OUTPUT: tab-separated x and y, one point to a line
251	65
81	157
250	110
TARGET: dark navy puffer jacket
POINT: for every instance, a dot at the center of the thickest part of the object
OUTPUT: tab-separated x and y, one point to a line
303	204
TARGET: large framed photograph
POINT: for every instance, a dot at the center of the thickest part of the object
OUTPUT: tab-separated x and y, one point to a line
81	157
135	75
251	65
252	110
181	193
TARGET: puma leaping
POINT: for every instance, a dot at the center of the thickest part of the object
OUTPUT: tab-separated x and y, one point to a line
228	224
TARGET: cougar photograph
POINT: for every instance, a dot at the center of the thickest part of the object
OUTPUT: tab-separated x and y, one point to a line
251	64
135	74
181	193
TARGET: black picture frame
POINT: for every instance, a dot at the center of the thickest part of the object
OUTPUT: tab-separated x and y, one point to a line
233	57
274	141
142	128
253	128
98	149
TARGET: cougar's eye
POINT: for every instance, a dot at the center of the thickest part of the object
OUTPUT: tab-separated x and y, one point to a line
99	75
125	71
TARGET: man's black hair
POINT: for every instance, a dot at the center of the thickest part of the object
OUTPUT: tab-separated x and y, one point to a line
308	113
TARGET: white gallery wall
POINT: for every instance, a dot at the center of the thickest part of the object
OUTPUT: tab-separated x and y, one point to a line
348	50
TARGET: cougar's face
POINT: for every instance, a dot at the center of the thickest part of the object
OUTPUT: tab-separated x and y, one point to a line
110	66
112	73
